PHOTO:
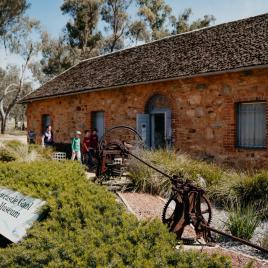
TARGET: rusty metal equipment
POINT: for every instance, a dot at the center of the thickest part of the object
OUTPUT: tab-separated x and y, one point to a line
112	159
188	203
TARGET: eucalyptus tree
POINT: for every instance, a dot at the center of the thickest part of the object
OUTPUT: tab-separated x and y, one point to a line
10	13
115	15
156	15
57	56
15	37
81	31
182	23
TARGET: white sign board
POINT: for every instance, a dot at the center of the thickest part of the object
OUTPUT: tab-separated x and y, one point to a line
17	213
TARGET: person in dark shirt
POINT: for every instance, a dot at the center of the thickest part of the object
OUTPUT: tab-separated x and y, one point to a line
86	146
47	138
92	148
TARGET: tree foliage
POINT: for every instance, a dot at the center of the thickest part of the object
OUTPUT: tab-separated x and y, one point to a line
99	26
182	24
9	80
156	15
10	13
57	56
16	36
81	31
137	32
114	13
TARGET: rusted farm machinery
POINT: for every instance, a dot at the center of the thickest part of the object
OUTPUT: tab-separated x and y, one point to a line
188	204
112	159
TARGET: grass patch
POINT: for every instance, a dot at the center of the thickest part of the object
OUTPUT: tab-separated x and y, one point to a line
242	220
86	227
222	185
14	150
146	179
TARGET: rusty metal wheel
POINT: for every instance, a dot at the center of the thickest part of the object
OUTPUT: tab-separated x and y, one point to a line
172	212
205	208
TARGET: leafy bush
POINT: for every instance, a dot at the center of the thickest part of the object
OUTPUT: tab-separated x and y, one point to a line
6	156
86	227
242	220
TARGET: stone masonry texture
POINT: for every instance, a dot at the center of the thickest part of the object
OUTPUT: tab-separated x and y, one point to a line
203	113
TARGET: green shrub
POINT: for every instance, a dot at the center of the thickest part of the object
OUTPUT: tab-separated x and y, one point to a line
253	188
6	156
243	220
86	227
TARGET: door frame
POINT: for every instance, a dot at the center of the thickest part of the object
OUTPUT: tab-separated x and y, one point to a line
168	128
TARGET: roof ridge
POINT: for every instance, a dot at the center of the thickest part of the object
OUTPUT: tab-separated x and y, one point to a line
190	58
172	36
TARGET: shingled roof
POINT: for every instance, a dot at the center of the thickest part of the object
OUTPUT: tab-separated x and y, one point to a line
228	46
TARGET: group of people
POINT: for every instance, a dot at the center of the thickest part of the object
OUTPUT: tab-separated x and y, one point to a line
84	152
89	147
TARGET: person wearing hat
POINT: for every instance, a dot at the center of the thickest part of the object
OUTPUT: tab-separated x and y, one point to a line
76	151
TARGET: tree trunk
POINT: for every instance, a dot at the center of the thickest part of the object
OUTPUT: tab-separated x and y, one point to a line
3	125
16	122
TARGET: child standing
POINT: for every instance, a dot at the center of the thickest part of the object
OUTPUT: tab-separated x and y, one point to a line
76	152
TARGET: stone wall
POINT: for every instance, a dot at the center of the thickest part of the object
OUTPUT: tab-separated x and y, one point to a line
203	113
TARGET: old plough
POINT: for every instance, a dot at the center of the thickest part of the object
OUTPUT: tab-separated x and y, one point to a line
188	204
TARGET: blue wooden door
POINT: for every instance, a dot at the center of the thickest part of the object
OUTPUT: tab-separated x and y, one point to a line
143	128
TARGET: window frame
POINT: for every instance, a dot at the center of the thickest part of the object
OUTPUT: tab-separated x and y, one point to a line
250	147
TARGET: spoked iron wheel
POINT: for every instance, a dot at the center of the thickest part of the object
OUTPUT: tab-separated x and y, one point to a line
124	135
111	155
205	208
172	212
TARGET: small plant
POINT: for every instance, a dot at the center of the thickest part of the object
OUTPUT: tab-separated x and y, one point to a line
242	220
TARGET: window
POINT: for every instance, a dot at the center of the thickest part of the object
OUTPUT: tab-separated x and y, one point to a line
251	125
46	121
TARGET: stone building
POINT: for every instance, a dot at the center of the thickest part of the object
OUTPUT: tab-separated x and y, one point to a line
202	92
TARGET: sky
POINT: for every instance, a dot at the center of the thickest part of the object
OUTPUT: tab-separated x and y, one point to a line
49	14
